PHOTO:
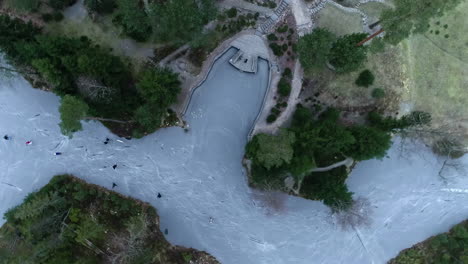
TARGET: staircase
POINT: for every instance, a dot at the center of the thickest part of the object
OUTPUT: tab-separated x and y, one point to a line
266	27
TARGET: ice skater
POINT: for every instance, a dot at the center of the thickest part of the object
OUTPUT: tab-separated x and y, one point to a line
114	185
58	153
6	137
211	220
29	142
114	166
107	141
159	195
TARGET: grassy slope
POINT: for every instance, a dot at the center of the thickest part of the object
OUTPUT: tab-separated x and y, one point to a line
439	67
346	24
87	222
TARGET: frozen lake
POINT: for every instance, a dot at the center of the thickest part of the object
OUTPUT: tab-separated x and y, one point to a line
199	175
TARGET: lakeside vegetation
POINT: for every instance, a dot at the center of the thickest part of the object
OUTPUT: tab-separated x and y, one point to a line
446	248
71	221
78	68
300	159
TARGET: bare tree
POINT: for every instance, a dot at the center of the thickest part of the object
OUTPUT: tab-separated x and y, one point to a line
271	199
356	215
94	90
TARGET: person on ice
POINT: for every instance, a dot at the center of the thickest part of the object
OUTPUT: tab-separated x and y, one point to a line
29	142
114	185
107	141
6	137
57	153
114	166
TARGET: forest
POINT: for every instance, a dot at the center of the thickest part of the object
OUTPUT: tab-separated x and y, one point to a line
71	221
308	158
446	248
90	76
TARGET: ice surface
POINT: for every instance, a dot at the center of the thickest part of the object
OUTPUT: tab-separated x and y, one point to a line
200	176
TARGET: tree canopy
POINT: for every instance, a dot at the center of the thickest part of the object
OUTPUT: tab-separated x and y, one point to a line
365	79
180	21
272	151
412	17
370	143
133	19
159	86
71	221
345	55
314	48
72	111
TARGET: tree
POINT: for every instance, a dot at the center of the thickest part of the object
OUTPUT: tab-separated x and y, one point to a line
284	87
378	93
149	116
159	86
180	21
72	111
365	79
345	55
314	48
412	17
271	151
100	6
370	143
133	19
24	5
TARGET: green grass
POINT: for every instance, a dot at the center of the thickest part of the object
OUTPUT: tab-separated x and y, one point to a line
338	21
387	69
437	79
457	27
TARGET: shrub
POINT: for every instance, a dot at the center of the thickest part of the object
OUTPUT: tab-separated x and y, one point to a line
100	6
47	17
287	73
282	28
57	16
271	118
365	79
378	93
284	87
24	5
277	49
272	37
232	12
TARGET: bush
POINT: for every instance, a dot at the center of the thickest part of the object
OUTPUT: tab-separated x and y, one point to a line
47	17
277	49
284	87
61	4
272	37
232	12
282	29
57	16
378	93
365	79
271	118
100	6
24	5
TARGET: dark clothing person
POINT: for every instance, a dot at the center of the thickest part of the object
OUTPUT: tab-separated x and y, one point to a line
107	141
6	137
114	185
159	195
57	153
114	166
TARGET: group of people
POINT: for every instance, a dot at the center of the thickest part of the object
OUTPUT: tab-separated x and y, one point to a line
29	142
